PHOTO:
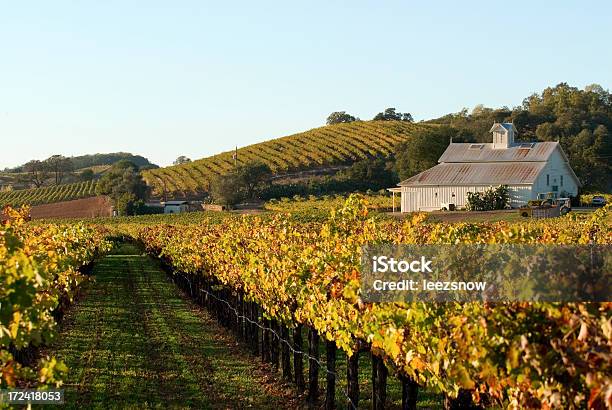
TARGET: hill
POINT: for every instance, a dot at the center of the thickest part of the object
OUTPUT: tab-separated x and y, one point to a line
331	145
95	160
88	161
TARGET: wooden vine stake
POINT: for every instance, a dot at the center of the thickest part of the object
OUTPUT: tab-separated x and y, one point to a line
313	365
330	390
298	364
285	352
410	391
379	383
352	376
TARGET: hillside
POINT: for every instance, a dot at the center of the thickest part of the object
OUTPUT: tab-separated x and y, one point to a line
326	146
50	194
96	160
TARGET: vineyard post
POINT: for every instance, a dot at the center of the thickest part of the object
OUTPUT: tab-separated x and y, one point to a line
352	376
313	365
410	390
254	329
330	390
379	382
274	343
298	364
236	319
285	352
265	345
375	360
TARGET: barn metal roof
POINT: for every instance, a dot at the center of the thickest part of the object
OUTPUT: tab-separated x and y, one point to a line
174	203
538	151
510	173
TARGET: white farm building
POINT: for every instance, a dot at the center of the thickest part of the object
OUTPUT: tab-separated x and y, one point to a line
528	169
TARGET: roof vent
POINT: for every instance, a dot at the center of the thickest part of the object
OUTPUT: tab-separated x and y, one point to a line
476	146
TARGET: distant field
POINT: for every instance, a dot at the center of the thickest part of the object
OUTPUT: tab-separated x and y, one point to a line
47	195
318	148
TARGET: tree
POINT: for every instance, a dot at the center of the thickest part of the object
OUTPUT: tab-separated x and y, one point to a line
37	172
580	120
374	173
181	160
86	175
390	115
252	175
59	166
422	150
124	185
338	117
226	189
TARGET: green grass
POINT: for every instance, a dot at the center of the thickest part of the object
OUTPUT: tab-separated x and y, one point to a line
133	341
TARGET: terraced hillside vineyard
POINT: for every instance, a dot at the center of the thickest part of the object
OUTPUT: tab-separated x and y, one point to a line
47	195
325	146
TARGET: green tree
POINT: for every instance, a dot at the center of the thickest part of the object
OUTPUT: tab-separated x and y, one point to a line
580	120
390	115
226	189
181	160
86	175
422	150
59	166
252	176
37	172
338	117
124	185
375	173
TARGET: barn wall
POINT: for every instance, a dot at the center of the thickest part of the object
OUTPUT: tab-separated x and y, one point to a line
555	168
430	198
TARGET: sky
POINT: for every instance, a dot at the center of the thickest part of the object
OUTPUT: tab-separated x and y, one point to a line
195	78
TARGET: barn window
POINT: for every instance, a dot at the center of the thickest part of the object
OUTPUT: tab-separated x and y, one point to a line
561	180
453	194
547	179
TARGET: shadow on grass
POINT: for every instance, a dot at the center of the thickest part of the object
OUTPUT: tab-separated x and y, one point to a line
132	341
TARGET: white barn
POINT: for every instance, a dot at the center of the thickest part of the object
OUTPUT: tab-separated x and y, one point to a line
528	169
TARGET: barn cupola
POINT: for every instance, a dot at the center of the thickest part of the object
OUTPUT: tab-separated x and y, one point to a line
503	134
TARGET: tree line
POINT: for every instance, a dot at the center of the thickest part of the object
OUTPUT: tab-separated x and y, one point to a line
389	114
579	119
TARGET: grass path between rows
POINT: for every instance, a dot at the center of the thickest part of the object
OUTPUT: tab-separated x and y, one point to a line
133	341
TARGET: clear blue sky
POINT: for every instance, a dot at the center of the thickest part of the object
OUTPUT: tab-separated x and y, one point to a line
194	78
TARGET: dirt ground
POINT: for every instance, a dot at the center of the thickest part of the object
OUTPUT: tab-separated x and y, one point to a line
468	216
79	208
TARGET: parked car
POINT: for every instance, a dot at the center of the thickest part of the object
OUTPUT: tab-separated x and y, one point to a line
598	200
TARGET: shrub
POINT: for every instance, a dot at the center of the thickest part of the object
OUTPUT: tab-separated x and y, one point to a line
489	200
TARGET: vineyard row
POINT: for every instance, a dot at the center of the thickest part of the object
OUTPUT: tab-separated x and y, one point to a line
307	274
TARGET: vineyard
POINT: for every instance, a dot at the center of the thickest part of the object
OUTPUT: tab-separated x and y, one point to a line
39	277
273	279
308	275
47	195
319	147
